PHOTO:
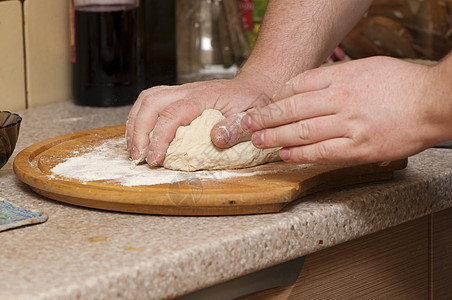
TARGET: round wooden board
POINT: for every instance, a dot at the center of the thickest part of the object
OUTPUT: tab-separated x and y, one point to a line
274	187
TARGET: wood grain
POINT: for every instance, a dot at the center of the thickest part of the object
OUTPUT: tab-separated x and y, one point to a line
390	36
391	264
442	255
280	184
432	19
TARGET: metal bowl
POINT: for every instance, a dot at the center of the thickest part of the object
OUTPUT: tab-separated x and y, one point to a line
9	133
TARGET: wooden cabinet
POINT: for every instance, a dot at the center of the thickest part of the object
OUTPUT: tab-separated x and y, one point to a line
391	264
441	249
12	72
410	261
47	48
35	67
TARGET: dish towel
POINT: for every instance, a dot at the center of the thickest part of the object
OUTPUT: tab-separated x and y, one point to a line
13	216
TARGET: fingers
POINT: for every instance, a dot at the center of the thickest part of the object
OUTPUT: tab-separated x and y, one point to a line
312	80
130	125
180	113
146	95
143	117
299	133
332	150
303	97
143	124
295	108
229	132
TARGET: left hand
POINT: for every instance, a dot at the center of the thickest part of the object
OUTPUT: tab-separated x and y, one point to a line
374	109
162	109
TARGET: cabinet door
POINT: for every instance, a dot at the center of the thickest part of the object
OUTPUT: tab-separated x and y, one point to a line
12	75
390	264
47	48
442	254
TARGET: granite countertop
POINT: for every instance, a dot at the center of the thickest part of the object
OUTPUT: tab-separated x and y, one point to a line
82	253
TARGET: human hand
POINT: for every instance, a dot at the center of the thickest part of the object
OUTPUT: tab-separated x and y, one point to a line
165	108
374	109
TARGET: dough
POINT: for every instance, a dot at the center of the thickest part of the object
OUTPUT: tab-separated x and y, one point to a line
192	148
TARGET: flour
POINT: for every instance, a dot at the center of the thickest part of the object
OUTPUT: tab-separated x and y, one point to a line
110	162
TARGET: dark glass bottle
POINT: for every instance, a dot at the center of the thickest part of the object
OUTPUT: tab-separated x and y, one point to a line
106	60
158	45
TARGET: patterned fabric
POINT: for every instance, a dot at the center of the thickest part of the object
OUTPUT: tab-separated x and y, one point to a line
13	216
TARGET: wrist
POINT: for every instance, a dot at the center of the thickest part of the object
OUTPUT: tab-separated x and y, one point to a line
258	78
439	99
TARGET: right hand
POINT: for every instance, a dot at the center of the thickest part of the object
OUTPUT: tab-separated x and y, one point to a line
372	109
163	109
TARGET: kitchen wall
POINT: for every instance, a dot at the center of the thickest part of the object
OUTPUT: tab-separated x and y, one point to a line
34	53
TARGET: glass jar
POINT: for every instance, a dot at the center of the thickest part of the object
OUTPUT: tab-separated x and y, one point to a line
106	53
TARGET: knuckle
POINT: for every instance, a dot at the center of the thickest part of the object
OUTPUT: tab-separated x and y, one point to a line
303	131
147	101
298	155
257	120
170	112
271	138
147	92
262	117
152	94
290	106
323	152
174	110
142	94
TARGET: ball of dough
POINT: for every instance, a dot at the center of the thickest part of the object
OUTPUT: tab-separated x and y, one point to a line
192	148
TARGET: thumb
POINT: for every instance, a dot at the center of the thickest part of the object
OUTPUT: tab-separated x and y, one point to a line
229	132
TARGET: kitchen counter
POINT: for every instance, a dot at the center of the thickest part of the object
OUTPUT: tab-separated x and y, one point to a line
82	253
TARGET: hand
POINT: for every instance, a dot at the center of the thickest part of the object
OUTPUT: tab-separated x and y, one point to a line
165	108
373	109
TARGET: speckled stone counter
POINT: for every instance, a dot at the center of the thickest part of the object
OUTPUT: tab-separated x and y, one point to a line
82	253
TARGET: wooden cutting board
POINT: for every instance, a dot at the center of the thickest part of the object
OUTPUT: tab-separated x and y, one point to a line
269	188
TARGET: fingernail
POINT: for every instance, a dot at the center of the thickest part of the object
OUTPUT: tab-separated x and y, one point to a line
220	142
284	154
223	135
257	139
153	160
246	123
150	159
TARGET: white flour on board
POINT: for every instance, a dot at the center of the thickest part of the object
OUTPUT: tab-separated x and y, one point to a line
110	161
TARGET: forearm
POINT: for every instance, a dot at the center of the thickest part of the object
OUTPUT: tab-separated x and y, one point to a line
297	35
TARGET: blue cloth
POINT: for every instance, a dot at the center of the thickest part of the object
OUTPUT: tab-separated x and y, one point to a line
13	216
